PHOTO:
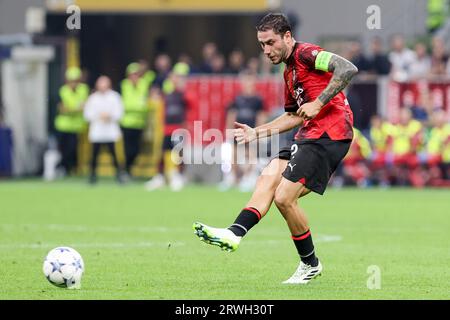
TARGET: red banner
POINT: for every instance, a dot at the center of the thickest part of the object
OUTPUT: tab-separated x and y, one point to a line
212	95
426	94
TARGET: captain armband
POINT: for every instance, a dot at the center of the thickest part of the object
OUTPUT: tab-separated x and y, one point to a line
322	60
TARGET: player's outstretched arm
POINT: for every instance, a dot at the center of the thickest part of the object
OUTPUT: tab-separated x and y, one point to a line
244	134
343	72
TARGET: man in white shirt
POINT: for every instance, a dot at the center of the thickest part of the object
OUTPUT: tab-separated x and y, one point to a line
421	66
103	111
401	58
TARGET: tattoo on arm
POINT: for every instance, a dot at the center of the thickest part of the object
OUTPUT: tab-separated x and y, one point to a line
343	71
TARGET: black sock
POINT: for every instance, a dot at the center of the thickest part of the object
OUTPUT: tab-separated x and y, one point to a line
305	248
245	221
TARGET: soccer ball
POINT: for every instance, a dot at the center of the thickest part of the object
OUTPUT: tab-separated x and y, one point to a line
64	267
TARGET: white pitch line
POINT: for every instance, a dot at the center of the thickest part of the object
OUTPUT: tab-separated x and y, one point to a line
92	245
80	228
151	229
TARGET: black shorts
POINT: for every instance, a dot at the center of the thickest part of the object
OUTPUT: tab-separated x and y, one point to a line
313	161
284	153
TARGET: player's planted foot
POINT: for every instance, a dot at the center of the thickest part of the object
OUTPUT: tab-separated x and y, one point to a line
155	183
304	274
223	238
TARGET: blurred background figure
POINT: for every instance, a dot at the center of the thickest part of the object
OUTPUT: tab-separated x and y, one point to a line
209	50
69	122
357	57
184	58
6	143
437	151
163	65
218	64
176	104
236	62
380	139
378	61
418	106
103	111
253	65
407	141
356	163
400	58
421	65
246	108
438	11
134	91
439	58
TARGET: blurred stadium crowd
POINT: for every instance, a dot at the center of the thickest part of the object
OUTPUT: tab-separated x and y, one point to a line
413	151
401	138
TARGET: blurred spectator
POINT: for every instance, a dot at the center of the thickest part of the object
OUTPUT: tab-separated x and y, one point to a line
176	104
440	140
69	122
6	147
246	108
401	58
437	14
134	90
436	99
378	62
421	65
218	64
143	67
418	110
438	148
253	66
163	65
439	57
380	139
236	62
357	57
181	69
186	59
208	52
103	112
407	140
356	162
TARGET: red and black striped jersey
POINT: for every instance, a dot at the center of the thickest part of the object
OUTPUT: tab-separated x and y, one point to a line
304	83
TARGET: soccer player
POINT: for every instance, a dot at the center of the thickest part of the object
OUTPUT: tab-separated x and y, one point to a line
314	79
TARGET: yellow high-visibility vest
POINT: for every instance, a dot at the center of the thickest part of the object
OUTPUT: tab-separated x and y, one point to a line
437	142
72	121
379	136
134	99
364	144
437	13
402	136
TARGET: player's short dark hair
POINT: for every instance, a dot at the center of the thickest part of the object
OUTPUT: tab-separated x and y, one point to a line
277	22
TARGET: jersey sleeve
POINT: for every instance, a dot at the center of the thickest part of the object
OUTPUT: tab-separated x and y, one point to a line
308	55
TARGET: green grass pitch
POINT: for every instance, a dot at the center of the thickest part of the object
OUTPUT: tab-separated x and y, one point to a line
140	245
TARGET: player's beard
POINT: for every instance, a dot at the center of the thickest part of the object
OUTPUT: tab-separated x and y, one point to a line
280	59
282	56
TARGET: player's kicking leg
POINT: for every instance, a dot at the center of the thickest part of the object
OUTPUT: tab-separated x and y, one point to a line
228	239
